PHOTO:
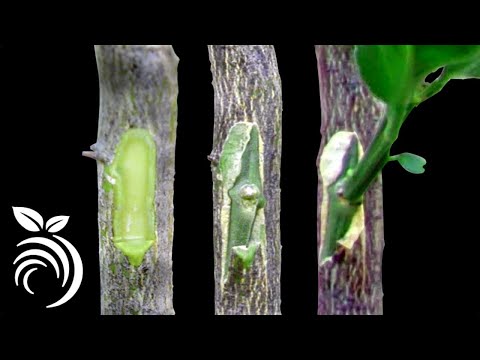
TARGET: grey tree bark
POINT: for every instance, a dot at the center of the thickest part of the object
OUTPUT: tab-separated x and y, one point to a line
247	88
138	89
352	282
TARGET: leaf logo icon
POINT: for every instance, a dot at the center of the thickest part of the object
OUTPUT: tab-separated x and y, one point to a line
56	223
28	218
32	221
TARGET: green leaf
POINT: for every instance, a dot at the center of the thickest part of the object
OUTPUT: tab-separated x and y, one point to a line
469	70
410	162
460	62
387	70
429	58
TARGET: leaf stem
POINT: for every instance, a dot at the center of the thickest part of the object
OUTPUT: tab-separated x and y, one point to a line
378	153
434	88
375	158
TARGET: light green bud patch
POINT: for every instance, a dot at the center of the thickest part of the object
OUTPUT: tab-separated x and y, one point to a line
132	177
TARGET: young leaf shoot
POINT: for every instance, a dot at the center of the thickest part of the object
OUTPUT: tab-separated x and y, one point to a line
396	75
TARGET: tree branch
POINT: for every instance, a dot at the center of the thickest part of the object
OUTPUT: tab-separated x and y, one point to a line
247	97
138	89
351	283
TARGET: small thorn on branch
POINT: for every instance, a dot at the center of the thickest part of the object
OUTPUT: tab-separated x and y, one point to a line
90	154
213	158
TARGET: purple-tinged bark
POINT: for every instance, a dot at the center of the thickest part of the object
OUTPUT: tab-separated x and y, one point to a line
352	282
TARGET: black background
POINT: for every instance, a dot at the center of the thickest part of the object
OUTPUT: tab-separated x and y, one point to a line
49	113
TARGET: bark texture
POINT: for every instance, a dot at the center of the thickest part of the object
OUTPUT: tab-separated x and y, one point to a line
138	89
352	282
247	88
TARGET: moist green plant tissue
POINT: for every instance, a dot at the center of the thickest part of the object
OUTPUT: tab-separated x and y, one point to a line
341	222
132	178
243	218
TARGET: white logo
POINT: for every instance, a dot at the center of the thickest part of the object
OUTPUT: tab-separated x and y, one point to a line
33	221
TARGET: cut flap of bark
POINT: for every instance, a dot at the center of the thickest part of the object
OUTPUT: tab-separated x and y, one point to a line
247	88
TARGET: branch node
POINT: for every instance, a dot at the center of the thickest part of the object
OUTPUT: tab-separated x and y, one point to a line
90	154
213	158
